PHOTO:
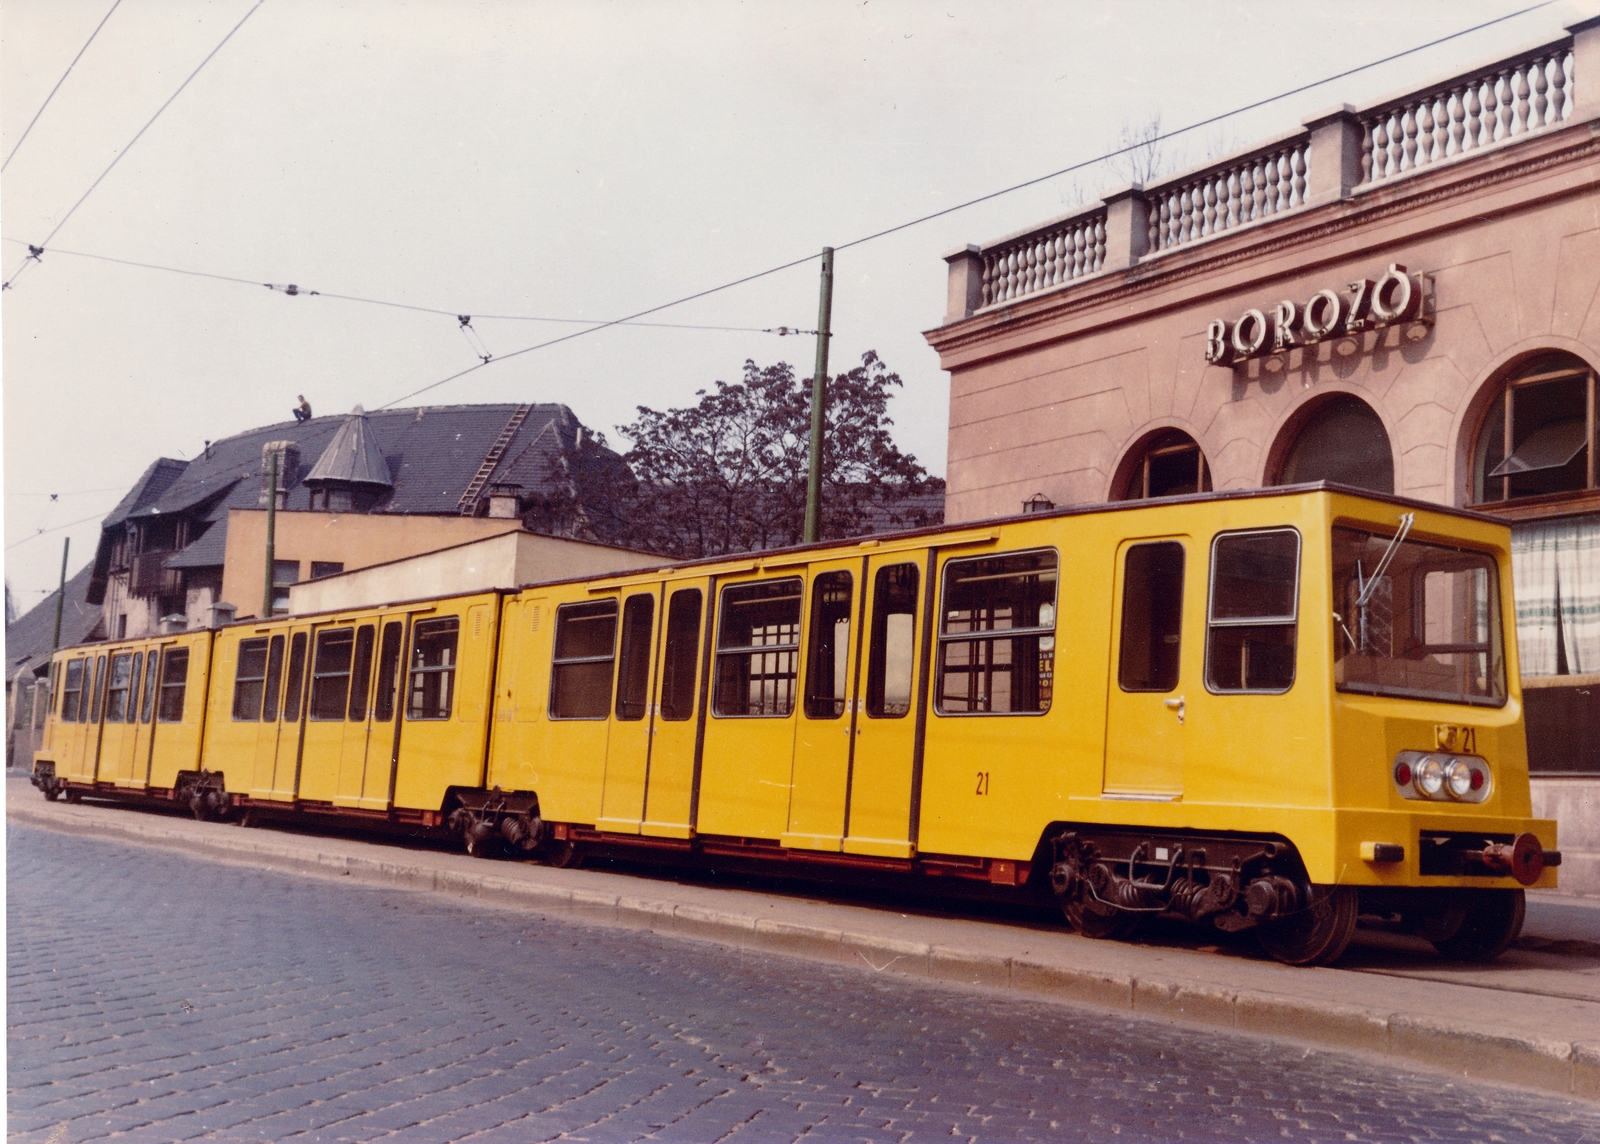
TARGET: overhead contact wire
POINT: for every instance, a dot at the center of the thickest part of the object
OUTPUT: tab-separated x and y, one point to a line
59	82
137	136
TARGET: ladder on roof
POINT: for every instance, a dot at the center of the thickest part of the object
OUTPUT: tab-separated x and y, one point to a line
468	504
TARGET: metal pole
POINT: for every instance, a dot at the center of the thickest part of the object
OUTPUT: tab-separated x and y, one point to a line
819	389
61	596
272	524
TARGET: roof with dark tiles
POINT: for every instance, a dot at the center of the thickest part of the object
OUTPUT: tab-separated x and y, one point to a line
431	452
28	639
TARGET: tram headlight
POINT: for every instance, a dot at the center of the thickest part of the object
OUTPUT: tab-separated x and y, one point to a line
1440	776
1429	777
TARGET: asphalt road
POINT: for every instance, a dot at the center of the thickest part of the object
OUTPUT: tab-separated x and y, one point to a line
155	997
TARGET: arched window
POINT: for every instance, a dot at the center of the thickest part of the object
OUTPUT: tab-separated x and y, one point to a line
1171	464
1342	440
1538	438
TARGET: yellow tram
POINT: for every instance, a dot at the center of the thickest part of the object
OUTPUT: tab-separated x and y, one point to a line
1269	710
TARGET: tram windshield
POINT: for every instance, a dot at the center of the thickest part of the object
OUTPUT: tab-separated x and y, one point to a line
1416	620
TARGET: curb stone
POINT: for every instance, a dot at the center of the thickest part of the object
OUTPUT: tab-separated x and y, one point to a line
1552	1065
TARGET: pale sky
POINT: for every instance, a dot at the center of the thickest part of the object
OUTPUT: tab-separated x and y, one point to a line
579	160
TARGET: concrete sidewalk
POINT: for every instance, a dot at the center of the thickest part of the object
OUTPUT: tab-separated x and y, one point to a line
1531	1018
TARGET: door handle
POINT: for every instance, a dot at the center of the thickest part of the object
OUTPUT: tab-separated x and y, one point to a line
1176	705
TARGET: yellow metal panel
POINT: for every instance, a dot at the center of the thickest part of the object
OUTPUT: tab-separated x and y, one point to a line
670	787
436	755
628	740
823	735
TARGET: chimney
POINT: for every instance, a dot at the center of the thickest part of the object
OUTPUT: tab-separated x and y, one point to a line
503	501
288	468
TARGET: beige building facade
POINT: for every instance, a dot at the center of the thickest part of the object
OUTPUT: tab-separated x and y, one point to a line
311	545
510	560
1404	297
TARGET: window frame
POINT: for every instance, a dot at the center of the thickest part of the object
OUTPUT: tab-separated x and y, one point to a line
1291	620
941	639
564	614
1120	620
251	646
113	691
1505	398
814	705
179	687
421	629
152	685
317	675
718	651
875	633
672	667
69	713
634	657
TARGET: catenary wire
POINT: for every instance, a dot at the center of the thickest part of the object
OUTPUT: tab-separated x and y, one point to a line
56	528
983	198
137	135
18	146
299	292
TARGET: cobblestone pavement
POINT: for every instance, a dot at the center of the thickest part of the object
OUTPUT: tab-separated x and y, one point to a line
156	997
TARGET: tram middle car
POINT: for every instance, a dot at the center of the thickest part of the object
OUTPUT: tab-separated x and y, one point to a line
1272	710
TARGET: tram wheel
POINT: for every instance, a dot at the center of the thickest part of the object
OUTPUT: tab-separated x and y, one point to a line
1318	934
50	791
1494	919
482	838
73	795
1097	921
562	855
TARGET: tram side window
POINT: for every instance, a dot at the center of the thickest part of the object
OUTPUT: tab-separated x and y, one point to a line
72	691
433	668
997	635
330	673
758	649
133	688
152	679
297	678
827	660
117	688
683	652
361	675
55	686
1152	617
250	680
633	667
893	640
580	674
1250	631
269	709
174	683
99	693
388	672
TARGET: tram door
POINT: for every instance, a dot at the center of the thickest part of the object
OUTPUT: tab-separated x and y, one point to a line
283	698
826	730
879	819
119	740
1146	706
669	779
367	750
81	760
628	743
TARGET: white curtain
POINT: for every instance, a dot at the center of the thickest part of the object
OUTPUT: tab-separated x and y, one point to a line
1578	578
1557	569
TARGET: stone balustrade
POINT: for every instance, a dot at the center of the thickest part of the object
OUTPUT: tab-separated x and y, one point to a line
1044	258
1335	155
1238	192
1482	110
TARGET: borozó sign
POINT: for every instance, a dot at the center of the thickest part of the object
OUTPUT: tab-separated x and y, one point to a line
1396	296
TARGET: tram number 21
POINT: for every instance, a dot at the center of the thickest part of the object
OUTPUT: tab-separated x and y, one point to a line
983	782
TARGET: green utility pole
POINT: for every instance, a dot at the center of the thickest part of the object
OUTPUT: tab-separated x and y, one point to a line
272	524
61	596
819	393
